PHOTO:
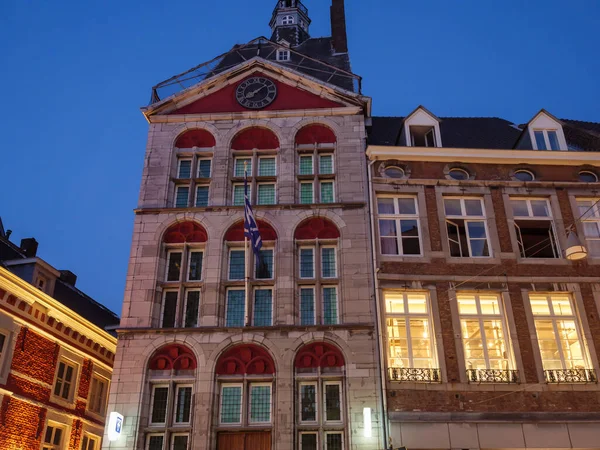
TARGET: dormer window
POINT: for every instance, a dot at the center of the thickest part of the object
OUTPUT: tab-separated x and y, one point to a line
546	139
422	136
283	55
287	20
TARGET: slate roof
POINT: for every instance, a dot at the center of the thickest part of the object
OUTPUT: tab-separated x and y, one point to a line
483	132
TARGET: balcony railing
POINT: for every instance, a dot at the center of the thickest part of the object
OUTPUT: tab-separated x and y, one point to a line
571	376
415	375
492	376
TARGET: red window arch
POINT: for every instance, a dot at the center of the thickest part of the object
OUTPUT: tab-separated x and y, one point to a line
315	134
255	138
246	359
319	354
183	232
195	138
236	232
173	357
317	228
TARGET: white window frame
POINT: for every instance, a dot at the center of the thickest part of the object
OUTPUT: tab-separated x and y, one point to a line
313	289
262	288
149	435
312	164
589	215
182	186
288	20
337	303
227	303
314	257
312	184
260	158
545	132
283	55
204	158
237	249
176	404
321	155
315	384
326	383
174	435
74	380
5	350
104	398
587	172
243	158
55	426
398	218
185	306
163	304
242	186
430	133
221	398
468	219
333	193
335	257
530	217
266	183
250	386
154	387
189	261
198	186
169	253
92	437
179	161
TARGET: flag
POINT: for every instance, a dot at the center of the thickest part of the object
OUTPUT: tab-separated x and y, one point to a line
250	226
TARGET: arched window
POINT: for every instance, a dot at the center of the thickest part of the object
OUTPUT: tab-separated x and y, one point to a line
255	156
184	244
245	376
257	309
315	145
321	413
318	279
287	20
194	151
171	378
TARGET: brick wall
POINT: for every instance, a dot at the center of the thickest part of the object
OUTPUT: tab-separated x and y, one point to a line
21	425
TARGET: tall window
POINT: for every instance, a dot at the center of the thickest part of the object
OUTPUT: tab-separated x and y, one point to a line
261	278
194	150
184	245
255	154
171	376
411	352
3	344
321	411
546	139
97	396
590	216
90	442
66	379
318	272
485	338
316	164
399	226
564	356
54	437
534	226
468	234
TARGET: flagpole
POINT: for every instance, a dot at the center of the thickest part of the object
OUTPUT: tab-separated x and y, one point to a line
246	278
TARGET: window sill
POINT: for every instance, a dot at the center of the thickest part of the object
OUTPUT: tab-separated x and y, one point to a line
551	261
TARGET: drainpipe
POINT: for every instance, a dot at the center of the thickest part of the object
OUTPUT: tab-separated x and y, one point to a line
382	375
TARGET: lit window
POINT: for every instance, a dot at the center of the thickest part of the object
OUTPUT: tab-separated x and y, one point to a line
66	376
204	167
97	396
184	170
327	195
589	211
266	194
559	337
467	228
546	139
53	438
399	226
585	176
410	336
422	136
394	172
235	309
485	338
182	193
459	174
534	226
90	442
283	55
524	175
287	20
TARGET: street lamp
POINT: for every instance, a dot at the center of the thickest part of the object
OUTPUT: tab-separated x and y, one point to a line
575	250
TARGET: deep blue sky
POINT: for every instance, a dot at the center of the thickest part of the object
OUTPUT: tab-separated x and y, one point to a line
74	74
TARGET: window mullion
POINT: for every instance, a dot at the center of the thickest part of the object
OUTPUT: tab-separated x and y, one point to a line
409	341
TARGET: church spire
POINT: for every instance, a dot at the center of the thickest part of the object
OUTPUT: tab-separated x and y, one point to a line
290	22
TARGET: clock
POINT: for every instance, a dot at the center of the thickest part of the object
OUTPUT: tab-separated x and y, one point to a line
256	93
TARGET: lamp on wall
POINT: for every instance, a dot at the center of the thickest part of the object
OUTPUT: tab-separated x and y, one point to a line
575	250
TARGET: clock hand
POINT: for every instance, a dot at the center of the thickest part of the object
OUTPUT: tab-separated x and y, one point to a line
253	93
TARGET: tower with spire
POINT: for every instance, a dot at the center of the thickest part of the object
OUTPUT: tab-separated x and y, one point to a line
290	22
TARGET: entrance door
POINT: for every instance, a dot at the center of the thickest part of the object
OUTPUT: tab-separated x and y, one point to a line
255	440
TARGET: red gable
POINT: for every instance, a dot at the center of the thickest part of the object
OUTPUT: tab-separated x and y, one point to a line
287	98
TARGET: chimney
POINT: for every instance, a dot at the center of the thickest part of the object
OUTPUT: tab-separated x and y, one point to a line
68	277
29	247
338	27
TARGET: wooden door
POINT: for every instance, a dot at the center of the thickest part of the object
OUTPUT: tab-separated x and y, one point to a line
255	440
258	441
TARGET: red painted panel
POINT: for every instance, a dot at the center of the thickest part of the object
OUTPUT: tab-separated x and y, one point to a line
255	138
236	232
319	354
195	138
315	134
173	357
245	360
317	228
288	98
182	232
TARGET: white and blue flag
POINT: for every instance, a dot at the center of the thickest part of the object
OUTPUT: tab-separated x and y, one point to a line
250	226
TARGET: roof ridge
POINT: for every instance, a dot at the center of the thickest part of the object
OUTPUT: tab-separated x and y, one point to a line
581	121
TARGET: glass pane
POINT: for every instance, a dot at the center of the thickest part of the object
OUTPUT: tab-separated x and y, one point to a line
385	206
306	193
184	404
561	305
397	343
155	442
204	168
307	263
519	208
235	308
411	246
185	169
306	165
330	314
548	344
467	304
169	309
494	337
407	206
192	308
326	164
394	302
307	306
387	228
181	200
328	262
327	192
201	196
394	172
586	209
389	246
479	247
238	195
48	436
420	343
57	436
409	228
473	207
540	141
473	344
260	404
266	194
417	303
266	167
231	404
553	138
594	247
180	442
263	307
195	272
570	343
159	406
333	411
540	208
334	441
264	265
174	266
308	441
489	305
308	402
591	230
452	207
539	305
240	164
237	266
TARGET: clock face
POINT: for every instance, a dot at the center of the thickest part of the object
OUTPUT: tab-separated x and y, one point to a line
256	93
